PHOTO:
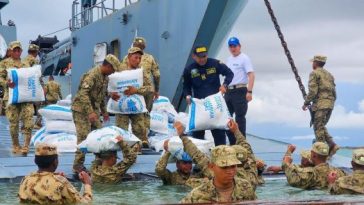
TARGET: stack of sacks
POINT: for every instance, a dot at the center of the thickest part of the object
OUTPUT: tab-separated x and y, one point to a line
119	82
162	116
58	119
208	114
104	139
175	147
59	129
27	87
65	142
65	102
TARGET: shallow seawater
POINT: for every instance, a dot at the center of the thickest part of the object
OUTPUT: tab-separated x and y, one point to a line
153	192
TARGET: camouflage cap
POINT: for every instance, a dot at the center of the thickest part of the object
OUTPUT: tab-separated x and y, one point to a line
44	149
33	47
110	58
241	153
15	44
139	40
306	154
319	58
320	148
224	156
133	50
358	156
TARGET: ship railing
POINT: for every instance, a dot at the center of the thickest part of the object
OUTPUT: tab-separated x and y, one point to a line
83	15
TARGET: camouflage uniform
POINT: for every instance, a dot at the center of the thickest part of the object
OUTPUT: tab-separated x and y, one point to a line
30	60
249	171
353	184
114	174
176	177
151	69
89	99
53	92
16	112
322	94
137	120
48	187
311	177
221	156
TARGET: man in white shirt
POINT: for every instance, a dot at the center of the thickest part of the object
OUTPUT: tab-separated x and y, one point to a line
240	90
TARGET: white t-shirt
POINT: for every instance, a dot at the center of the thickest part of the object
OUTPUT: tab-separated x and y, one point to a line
241	66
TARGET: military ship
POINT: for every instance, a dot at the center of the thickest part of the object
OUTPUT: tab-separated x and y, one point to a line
171	28
7	31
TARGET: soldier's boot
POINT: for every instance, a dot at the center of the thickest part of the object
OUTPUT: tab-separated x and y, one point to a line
333	147
25	148
145	142
16	147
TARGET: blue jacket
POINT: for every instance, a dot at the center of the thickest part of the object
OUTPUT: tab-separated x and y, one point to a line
205	80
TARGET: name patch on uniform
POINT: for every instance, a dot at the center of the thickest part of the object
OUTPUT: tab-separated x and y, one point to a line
194	73
211	71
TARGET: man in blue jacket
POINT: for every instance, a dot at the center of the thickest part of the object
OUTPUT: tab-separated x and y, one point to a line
201	79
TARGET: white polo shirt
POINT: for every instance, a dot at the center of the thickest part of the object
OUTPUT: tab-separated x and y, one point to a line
241	66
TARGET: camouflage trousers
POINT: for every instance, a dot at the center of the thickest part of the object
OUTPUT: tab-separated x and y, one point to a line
20	112
149	103
321	118
137	124
83	127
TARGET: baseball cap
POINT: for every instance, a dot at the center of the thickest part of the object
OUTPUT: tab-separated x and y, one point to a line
200	51
233	41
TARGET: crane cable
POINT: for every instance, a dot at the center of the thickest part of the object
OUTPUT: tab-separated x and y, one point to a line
288	54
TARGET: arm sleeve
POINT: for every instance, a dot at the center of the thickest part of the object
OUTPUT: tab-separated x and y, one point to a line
59	92
71	195
187	83
3	75
156	75
225	71
160	168
248	66
198	156
84	93
241	140
299	177
312	89
129	158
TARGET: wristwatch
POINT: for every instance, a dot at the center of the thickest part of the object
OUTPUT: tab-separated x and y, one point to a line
250	91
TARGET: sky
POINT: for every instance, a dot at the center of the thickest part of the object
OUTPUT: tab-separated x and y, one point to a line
334	28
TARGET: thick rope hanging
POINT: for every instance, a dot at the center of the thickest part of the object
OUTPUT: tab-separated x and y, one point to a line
288	54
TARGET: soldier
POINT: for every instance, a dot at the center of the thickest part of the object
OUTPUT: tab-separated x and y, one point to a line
19	111
104	168
89	99
53	91
203	78
225	186
47	187
3	101
137	120
349	184
305	159
31	58
52	94
322	94
151	69
183	174
246	170
311	177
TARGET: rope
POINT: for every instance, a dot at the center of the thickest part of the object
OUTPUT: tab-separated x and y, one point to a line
288	54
